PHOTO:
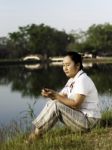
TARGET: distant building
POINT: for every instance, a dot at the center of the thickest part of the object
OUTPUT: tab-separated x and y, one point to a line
3	41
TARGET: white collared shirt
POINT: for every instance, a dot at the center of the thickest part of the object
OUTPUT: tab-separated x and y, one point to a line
82	84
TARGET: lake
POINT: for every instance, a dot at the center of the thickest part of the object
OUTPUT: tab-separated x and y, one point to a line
20	87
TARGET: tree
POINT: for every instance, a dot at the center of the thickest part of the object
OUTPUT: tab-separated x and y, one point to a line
99	38
96	40
39	39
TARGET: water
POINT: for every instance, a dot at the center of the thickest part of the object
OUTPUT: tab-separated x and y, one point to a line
20	87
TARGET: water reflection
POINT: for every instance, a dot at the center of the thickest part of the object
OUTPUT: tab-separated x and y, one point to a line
30	79
34	66
24	83
88	65
105	101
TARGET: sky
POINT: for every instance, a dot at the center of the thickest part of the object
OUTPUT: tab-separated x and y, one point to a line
65	15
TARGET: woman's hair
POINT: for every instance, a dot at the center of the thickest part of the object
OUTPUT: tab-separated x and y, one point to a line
76	58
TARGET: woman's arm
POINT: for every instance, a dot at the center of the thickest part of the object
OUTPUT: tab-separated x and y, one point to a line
73	103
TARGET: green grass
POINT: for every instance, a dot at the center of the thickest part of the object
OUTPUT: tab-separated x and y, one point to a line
64	139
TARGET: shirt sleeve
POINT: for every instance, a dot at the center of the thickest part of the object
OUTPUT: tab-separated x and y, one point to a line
63	91
81	86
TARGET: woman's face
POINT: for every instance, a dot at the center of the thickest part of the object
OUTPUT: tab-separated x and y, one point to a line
69	67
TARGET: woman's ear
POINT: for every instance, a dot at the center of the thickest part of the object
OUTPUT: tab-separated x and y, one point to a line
78	65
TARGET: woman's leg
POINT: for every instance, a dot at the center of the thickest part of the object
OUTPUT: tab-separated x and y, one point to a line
53	111
73	118
44	121
47	118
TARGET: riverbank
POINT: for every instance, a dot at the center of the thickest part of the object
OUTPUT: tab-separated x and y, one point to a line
33	61
98	60
100	138
63	139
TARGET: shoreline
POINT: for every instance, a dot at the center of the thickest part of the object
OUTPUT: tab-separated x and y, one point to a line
20	61
98	60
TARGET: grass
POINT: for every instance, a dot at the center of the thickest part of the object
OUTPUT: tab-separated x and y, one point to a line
64	139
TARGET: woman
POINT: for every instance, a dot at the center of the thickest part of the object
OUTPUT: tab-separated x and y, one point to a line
77	105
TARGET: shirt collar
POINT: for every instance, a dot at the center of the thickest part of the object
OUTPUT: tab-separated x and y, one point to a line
72	80
77	75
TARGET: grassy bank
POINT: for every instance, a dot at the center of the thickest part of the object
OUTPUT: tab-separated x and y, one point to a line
63	139
100	138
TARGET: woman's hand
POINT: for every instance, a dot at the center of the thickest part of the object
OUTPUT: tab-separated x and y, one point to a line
49	93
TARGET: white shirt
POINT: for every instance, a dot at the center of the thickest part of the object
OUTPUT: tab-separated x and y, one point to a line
82	84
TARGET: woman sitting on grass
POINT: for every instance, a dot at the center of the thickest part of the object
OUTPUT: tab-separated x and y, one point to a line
77	105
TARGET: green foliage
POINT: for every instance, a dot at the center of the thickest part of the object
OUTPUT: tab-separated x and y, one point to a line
100	37
47	41
38	39
106	119
97	40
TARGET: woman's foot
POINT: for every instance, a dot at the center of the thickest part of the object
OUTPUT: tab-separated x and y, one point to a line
33	136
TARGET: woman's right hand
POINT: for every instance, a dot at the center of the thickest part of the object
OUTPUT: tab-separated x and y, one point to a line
49	93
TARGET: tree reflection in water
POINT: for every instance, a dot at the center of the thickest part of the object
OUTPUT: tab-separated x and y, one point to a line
29	80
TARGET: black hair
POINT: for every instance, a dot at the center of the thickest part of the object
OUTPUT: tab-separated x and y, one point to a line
76	57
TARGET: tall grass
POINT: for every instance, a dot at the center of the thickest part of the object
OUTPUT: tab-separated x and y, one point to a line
12	137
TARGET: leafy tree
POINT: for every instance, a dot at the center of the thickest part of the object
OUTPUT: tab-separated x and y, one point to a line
39	39
99	38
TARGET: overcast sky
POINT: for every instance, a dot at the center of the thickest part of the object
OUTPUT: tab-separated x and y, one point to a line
60	14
